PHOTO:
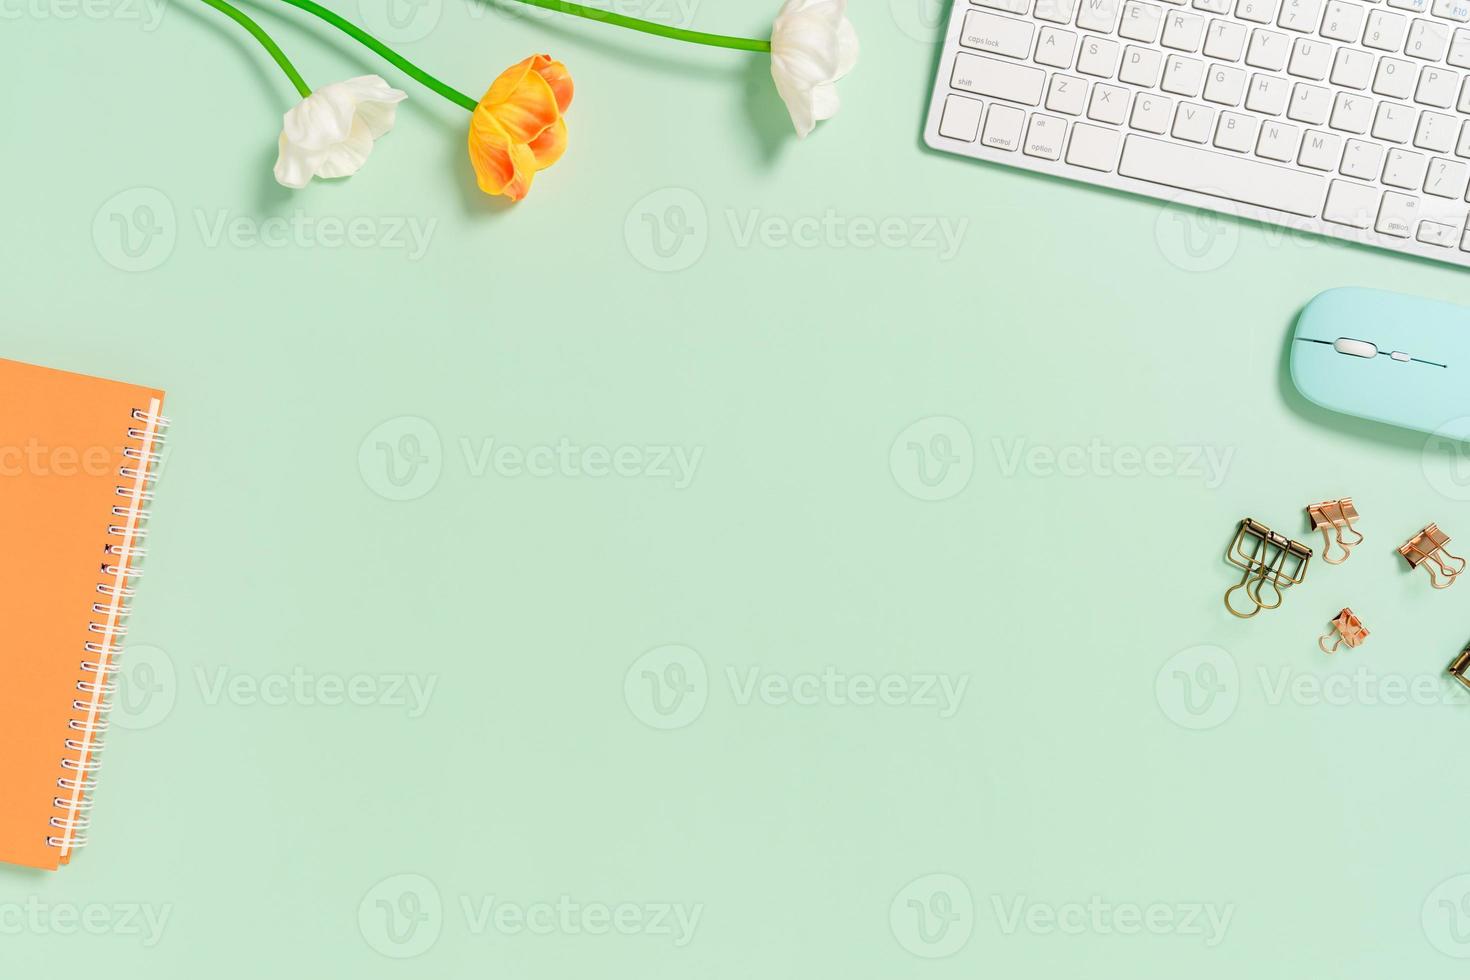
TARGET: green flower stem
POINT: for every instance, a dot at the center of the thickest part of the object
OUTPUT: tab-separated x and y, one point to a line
266	42
386	53
649	27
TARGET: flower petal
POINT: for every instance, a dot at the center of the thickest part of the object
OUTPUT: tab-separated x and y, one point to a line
294	166
347	157
501	166
556	75
847	48
550	145
507	81
526	111
377	102
322	118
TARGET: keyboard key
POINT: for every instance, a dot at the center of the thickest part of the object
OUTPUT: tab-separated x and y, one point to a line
1239	179
1141	66
1055	11
1412	6
1268	50
1320	151
1003	127
1428	39
1277	141
1225	40
1352	68
1236	132
1447	178
1436	132
1310	58
1141	21
1361	159
1459	55
1344	21
1437	87
1350	204
998	79
1055	47
1109	104
1182	76
1394	78
1212	6
961	119
1193	122
1093	147
1309	104
1351	113
1397	215
1434	233
1404	169
1009	6
1099	57
1151	113
1462	148
1452	9
1259	11
1044	137
1225	85
1464	106
995	34
1183	32
1385	30
1098	15
1066	93
1300	15
1268	94
1393	122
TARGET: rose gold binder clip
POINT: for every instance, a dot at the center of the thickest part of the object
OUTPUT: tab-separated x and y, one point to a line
1348	628
1427	548
1336	515
1270	560
1460	665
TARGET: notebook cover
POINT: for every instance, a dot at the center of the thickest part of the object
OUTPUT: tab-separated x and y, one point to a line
62	442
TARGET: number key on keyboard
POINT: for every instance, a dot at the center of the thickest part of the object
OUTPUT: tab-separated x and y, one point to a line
1343	21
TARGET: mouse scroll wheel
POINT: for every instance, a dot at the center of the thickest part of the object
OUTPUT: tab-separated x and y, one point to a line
1357	348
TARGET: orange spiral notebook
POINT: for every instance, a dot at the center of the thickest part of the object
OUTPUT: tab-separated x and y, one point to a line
78	457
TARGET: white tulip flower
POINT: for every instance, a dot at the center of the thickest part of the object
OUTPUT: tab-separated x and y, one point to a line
331	132
813	44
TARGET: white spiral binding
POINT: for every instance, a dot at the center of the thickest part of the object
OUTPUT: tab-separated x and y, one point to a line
119	569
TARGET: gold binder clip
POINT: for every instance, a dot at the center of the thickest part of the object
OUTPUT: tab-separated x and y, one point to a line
1460	665
1349	629
1270	560
1427	548
1338	514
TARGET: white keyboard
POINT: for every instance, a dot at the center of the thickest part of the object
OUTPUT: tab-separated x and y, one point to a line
1343	118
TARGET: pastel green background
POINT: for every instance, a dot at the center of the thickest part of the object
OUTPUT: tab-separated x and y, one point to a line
1079	607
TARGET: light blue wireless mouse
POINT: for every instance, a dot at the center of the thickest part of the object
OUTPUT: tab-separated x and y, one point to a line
1385	356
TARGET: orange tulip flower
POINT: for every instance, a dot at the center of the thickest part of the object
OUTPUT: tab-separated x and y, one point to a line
517	128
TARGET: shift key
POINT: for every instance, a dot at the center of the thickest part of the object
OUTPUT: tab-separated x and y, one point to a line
997	79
